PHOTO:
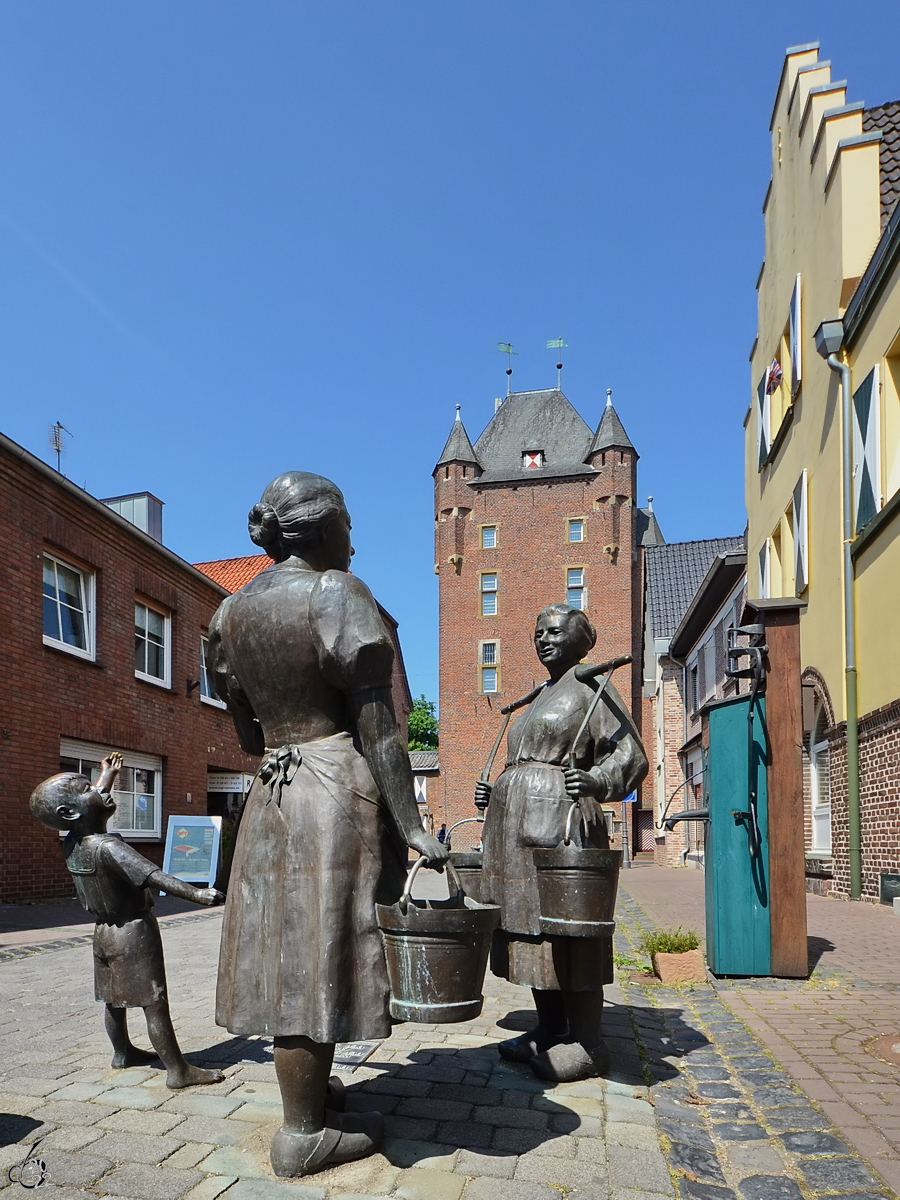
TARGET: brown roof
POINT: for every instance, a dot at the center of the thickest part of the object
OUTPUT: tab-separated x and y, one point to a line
233	573
886	118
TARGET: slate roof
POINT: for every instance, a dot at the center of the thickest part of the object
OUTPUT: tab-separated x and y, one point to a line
458	447
610	432
648	530
886	117
424	760
543	420
233	573
674	572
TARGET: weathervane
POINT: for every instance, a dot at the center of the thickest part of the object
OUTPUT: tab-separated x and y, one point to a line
507	349
56	432
557	344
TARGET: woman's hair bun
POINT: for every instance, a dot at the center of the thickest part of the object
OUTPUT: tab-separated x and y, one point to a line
263	523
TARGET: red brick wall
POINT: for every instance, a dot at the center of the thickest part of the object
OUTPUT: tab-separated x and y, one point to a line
530	558
48	694
879	788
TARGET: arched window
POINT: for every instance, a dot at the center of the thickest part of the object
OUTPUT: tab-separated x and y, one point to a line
820	782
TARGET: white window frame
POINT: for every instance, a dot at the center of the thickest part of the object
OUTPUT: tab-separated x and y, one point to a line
72	748
166	680
89	595
484	545
820	814
582	526
207	697
484	590
800	522
532	466
581	588
495	670
708	650
484	666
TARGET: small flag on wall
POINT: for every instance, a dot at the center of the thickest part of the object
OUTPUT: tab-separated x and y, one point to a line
774	377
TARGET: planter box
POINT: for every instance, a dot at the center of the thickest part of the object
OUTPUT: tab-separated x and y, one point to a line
688	967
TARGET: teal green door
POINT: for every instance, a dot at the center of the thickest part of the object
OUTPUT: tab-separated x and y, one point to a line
737	886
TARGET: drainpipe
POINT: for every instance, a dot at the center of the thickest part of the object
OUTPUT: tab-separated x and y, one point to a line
829	333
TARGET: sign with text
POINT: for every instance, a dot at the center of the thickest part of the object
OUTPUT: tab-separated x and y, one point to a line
192	848
228	781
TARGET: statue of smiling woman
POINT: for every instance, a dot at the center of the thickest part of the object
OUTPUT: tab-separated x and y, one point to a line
301	657
528	808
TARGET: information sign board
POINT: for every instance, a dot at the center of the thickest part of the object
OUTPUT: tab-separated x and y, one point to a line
192	848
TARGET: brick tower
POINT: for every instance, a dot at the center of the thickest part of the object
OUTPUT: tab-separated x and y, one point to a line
540	510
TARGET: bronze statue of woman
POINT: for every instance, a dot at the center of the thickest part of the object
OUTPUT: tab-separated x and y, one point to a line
528	807
302	659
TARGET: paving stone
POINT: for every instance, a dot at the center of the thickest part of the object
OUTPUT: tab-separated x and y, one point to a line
198	1104
838	1174
795	1118
512	1189
189	1155
692	1189
32	1087
71	1112
718	1091
397	1087
131	1120
517	1141
755	1157
270	1114
434	1072
69	1137
669	1106
406	1152
436	1109
78	1091
769	1187
814	1142
779	1097
641	1137
231	1160
739	1131
136	1097
700	1164
581	1105
514	1118
711	1073
469	1135
541	1168
426	1184
750	1062
626	1108
475	1095
627	1166
75	1170
211	1187
137	1147
728	1112
410	1128
215	1130
498	1166
690	1135
618	1193
150	1183
269	1189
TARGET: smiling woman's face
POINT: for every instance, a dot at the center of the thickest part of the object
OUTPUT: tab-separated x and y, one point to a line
558	642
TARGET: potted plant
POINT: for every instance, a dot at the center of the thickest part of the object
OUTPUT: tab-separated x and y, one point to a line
675	954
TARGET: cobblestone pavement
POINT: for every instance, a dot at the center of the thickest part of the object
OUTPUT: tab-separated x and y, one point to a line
826	1034
693	1107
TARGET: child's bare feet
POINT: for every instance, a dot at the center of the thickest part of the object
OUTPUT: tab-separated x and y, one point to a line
188	1076
133	1057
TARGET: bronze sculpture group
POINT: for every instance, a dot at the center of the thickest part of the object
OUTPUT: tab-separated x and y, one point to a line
301	657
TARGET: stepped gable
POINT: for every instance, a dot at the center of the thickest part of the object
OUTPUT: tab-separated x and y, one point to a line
610	433
674	572
886	118
542	420
458	447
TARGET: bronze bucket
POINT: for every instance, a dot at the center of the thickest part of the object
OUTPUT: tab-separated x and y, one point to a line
436	952
468	863
577	888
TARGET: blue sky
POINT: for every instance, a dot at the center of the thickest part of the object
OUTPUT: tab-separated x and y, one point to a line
239	238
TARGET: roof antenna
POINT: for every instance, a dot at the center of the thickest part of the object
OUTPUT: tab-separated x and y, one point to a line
557	344
609	397
56	432
506	348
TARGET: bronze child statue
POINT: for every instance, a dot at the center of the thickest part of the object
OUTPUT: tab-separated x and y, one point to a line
113	881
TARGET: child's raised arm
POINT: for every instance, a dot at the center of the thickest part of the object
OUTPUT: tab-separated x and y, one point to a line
109	769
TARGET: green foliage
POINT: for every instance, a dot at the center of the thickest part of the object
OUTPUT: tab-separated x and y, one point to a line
628	962
669	941
423	725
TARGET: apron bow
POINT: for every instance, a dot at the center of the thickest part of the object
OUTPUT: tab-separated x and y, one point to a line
279	769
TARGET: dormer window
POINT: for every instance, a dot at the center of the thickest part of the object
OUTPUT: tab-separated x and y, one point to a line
532	459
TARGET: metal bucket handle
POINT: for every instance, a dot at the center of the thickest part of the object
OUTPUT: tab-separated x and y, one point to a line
451	874
568	834
464	821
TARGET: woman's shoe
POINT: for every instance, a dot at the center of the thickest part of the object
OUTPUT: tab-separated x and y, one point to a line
346	1136
523	1048
569	1061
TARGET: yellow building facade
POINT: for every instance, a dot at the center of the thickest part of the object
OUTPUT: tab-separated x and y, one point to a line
832	249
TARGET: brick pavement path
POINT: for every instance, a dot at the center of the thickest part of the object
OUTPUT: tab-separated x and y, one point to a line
819	1031
676	1115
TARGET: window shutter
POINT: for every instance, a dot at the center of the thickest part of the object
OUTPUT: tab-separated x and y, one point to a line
796	346
720	653
801	535
764	571
701	676
866	451
762	421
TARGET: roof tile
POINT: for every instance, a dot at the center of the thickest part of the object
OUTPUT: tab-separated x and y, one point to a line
233	573
886	118
674	572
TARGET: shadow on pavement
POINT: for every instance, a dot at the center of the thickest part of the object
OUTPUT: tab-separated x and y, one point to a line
14	1128
816	947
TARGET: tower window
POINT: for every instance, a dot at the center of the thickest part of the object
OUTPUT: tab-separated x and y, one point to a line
576	531
488	537
575	587
489	594
489	662
489	679
532	459
489	654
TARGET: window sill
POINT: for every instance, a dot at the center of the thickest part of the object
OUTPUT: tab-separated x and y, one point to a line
876	526
72	651
160	683
212	702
